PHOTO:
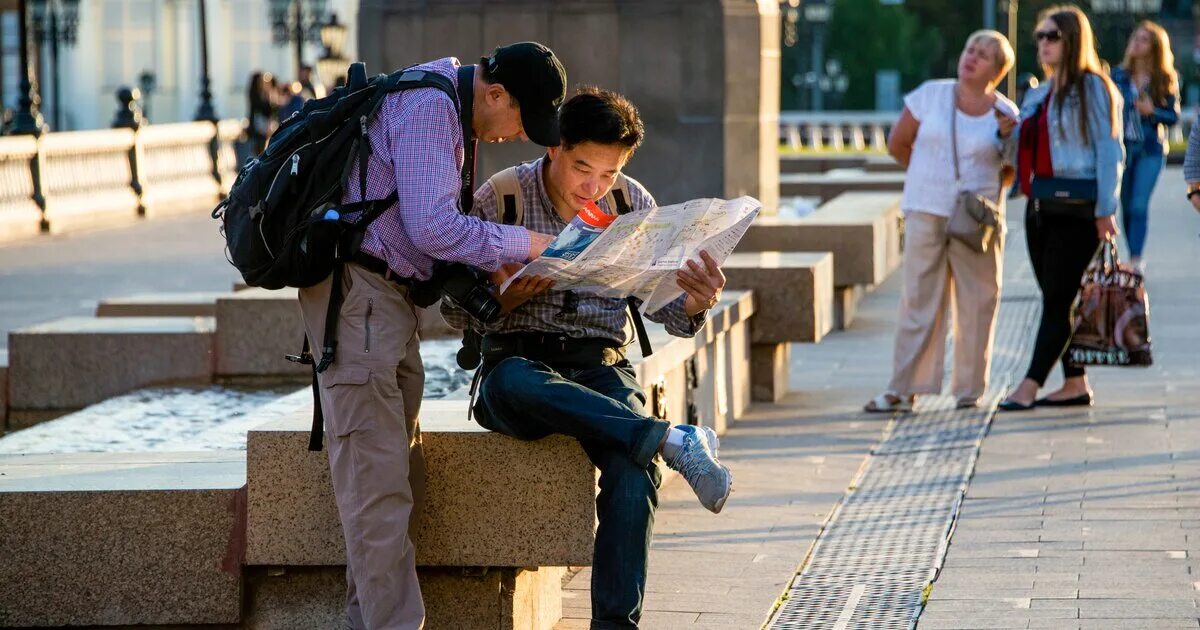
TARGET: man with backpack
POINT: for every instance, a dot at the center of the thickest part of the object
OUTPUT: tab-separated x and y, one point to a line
554	362
419	153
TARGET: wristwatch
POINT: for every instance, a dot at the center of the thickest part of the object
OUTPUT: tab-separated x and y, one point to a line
1193	189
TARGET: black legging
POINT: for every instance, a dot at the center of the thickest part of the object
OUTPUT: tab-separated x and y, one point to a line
1060	249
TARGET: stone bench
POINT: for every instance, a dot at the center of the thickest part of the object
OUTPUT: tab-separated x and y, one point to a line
196	304
121	539
860	229
3	390
73	362
256	328
521	509
826	186
819	162
793	302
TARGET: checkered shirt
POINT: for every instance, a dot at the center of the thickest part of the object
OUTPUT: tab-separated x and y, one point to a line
573	313
417	151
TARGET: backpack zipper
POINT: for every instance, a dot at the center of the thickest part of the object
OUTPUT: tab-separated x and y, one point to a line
370	308
295	164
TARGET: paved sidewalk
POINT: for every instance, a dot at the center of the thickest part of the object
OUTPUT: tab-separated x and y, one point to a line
48	277
1090	518
792	463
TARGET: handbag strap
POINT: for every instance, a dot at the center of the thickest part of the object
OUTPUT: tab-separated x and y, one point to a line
954	145
954	131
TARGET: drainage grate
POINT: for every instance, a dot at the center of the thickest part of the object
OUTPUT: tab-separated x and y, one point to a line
885	542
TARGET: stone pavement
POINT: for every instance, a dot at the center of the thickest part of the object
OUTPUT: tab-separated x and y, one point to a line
48	277
792	462
1089	518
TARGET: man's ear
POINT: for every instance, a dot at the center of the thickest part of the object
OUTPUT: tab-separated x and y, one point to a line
553	153
497	94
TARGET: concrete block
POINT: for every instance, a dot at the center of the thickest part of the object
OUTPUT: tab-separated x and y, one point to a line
828	185
860	229
769	371
466	599
845	304
76	361
256	328
818	163
121	539
3	391
196	304
491	500
793	293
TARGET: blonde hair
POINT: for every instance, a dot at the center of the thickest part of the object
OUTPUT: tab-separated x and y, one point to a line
1001	49
1164	81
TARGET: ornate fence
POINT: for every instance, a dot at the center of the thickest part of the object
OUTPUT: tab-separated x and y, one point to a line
79	178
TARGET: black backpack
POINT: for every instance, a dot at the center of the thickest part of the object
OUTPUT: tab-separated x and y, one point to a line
284	222
284	219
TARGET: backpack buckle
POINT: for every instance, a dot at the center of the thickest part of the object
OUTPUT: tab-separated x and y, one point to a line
305	358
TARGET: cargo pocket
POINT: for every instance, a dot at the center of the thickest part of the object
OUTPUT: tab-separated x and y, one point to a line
347	400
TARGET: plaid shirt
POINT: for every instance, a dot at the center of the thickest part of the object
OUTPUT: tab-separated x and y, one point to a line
417	151
575	314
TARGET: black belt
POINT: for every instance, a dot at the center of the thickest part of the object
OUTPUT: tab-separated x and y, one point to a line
379	266
552	349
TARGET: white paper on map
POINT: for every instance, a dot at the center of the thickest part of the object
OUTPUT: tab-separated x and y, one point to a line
639	253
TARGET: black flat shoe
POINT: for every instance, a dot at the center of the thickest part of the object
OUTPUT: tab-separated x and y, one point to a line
1012	405
1084	400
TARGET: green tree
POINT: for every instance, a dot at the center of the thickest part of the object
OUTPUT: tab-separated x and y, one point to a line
867	36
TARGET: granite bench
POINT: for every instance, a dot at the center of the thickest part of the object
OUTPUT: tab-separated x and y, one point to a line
502	519
828	185
73	362
793	302
861	230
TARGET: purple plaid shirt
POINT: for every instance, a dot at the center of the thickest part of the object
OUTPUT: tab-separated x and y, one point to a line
417	151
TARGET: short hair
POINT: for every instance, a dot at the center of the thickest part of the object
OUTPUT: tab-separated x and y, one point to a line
600	116
1001	48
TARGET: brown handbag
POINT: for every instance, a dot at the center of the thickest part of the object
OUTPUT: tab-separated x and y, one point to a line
1111	314
975	220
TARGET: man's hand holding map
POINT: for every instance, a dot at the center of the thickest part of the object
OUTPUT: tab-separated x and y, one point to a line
639	253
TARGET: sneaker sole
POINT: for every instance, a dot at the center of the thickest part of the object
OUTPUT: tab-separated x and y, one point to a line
713	440
728	489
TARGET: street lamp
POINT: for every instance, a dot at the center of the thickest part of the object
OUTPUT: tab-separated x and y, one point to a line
292	22
205	110
332	65
27	120
56	21
817	13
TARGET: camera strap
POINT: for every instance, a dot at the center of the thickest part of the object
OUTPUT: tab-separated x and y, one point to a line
466	112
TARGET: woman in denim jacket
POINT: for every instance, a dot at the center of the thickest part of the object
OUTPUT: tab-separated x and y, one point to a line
1148	83
1069	164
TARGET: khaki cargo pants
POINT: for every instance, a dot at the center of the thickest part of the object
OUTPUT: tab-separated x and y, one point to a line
371	397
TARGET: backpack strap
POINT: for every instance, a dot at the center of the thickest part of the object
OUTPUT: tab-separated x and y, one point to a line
509	203
618	199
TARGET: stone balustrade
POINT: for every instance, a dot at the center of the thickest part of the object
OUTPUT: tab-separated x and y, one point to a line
73	179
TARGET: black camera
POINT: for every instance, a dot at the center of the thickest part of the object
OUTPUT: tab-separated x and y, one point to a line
465	286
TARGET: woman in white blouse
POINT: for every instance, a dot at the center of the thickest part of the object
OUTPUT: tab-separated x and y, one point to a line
944	278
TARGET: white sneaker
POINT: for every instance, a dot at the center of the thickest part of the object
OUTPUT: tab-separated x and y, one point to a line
697	462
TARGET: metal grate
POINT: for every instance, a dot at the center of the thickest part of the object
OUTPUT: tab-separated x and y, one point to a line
886	540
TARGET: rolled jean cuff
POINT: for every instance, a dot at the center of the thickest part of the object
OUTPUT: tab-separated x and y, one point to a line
647	447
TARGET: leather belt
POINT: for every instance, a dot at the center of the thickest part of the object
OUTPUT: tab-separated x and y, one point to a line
379	266
552	349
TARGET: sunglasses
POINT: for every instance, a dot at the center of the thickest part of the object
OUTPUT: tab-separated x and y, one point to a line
1050	36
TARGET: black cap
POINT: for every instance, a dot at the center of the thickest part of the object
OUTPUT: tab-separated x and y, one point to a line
534	76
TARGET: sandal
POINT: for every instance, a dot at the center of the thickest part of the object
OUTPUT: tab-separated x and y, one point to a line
889	402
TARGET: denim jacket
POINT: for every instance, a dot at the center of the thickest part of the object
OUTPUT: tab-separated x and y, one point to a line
1101	158
1152	140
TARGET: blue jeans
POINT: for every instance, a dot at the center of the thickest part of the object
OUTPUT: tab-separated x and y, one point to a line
1141	173
604	408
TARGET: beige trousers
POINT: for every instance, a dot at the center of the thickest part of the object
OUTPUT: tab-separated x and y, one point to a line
371	397
945	282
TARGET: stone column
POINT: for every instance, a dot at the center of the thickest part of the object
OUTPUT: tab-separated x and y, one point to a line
704	73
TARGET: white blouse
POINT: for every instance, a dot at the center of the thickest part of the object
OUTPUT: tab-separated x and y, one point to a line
929	182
